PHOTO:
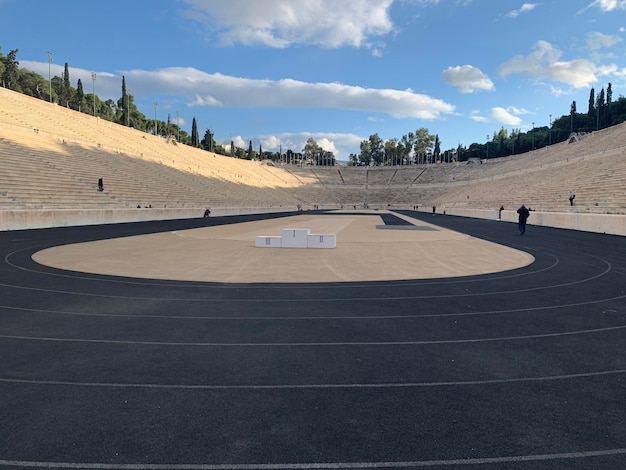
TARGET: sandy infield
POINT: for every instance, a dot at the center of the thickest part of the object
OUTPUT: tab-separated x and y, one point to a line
226	253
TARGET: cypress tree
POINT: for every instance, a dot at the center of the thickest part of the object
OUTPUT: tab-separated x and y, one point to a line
65	97
80	95
125	104
591	109
195	141
609	99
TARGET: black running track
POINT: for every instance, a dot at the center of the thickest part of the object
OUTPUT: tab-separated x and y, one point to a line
524	369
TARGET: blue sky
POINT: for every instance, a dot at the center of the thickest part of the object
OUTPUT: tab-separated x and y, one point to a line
280	71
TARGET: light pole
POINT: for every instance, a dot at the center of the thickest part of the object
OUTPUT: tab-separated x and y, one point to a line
533	136
550	132
156	126
93	80
49	73
487	145
178	126
127	107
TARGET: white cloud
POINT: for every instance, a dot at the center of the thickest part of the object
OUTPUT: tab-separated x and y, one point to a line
107	85
475	116
504	116
467	79
508	116
517	111
282	23
544	63
340	144
526	7
286	93
228	91
596	40
609	5
558	91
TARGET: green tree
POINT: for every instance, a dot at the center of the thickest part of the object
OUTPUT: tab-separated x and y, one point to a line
365	156
11	72
392	152
207	142
33	84
377	149
406	147
600	110
436	149
422	148
195	141
250	153
609	99
591	110
1	64
64	88
79	98
123	105
572	115
312	151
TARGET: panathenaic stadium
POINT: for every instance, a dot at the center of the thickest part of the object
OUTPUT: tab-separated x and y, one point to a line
52	158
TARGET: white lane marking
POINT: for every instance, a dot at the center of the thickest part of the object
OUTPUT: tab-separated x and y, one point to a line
309	466
316	344
315	386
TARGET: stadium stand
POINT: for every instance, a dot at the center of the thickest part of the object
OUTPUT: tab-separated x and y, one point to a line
52	158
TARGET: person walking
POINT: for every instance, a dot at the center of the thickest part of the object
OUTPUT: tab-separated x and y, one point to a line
523	217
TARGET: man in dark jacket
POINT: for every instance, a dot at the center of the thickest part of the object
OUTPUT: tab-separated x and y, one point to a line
523	217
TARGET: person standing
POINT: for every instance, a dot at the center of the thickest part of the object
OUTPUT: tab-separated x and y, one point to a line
523	217
571	198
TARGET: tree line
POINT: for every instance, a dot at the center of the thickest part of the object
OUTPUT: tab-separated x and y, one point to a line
422	147
418	147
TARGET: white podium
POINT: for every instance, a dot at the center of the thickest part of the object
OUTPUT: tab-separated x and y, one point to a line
297	238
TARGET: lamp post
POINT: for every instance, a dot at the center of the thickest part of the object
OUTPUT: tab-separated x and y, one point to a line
156	126
550	132
178	126
93	80
487	145
49	73
533	136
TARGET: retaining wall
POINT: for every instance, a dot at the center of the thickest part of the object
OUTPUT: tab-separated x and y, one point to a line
47	218
31	219
600	223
